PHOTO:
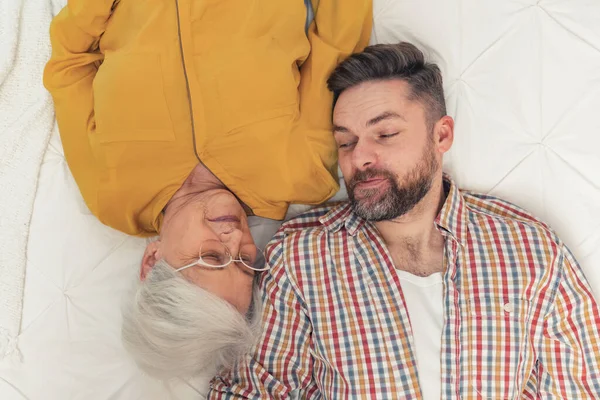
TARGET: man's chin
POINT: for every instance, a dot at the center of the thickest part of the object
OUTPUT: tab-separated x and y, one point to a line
367	197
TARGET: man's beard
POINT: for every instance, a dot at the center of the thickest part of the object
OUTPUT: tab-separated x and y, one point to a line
397	200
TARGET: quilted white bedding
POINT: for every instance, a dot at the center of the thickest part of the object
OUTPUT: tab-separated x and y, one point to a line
522	80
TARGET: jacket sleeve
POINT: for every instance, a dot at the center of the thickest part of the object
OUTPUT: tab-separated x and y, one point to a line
282	362
69	76
569	360
339	28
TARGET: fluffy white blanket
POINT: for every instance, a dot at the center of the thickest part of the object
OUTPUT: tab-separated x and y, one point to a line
26	122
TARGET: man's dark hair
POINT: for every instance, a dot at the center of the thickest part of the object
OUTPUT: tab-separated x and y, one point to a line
393	61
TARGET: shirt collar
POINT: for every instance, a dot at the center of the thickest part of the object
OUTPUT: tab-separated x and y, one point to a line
339	216
452	218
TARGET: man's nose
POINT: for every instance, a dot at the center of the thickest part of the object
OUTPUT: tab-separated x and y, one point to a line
363	156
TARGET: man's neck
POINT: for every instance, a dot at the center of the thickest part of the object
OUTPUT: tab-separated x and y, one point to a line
412	239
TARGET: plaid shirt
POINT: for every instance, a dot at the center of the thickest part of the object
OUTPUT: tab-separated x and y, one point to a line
520	318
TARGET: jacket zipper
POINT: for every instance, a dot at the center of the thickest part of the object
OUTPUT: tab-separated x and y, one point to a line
189	96
187	83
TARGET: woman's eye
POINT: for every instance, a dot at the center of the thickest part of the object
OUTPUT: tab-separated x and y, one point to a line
212	258
345	145
247	259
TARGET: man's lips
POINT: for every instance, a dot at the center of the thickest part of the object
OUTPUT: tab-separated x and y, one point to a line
370	183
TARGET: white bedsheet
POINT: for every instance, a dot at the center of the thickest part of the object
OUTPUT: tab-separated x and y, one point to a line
523	81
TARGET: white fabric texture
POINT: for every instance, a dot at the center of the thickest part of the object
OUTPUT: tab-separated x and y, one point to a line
26	122
424	300
522	80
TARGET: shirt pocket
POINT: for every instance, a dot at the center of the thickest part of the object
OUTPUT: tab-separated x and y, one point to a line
129	99
256	81
497	340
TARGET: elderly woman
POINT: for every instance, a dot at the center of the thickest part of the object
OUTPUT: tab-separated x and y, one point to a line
182	117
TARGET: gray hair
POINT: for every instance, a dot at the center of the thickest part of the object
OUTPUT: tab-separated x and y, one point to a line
173	328
403	61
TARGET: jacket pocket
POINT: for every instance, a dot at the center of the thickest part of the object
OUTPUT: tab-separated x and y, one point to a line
256	81
129	99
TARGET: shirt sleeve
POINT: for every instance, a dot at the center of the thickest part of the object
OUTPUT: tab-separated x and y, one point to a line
69	76
569	361
282	361
339	28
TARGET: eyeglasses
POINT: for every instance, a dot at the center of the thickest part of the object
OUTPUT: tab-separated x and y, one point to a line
214	254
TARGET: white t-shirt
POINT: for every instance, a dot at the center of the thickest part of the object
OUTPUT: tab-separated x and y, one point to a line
423	296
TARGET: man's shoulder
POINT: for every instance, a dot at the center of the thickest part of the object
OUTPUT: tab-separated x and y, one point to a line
316	218
485	209
294	247
311	223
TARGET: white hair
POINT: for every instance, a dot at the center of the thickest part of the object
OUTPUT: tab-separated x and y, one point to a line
173	328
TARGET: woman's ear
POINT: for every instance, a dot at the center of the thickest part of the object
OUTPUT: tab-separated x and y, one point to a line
150	258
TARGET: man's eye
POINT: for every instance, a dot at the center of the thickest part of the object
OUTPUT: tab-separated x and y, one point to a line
389	135
346	145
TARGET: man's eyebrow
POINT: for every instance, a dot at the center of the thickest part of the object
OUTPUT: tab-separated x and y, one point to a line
373	121
384	116
340	129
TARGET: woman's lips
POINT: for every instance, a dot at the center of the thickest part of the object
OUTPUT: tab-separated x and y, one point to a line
225	218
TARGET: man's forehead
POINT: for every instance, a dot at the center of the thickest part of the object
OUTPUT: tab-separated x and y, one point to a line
363	104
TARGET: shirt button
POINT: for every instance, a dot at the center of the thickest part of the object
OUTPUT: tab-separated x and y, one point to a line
509	308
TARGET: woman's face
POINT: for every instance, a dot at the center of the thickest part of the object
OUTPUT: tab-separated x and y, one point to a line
214	215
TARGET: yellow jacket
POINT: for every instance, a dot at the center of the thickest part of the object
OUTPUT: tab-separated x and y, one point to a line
144	90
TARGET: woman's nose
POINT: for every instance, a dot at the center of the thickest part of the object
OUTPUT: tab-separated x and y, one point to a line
232	239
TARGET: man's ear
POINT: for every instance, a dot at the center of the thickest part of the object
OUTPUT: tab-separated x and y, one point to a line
151	256
444	134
